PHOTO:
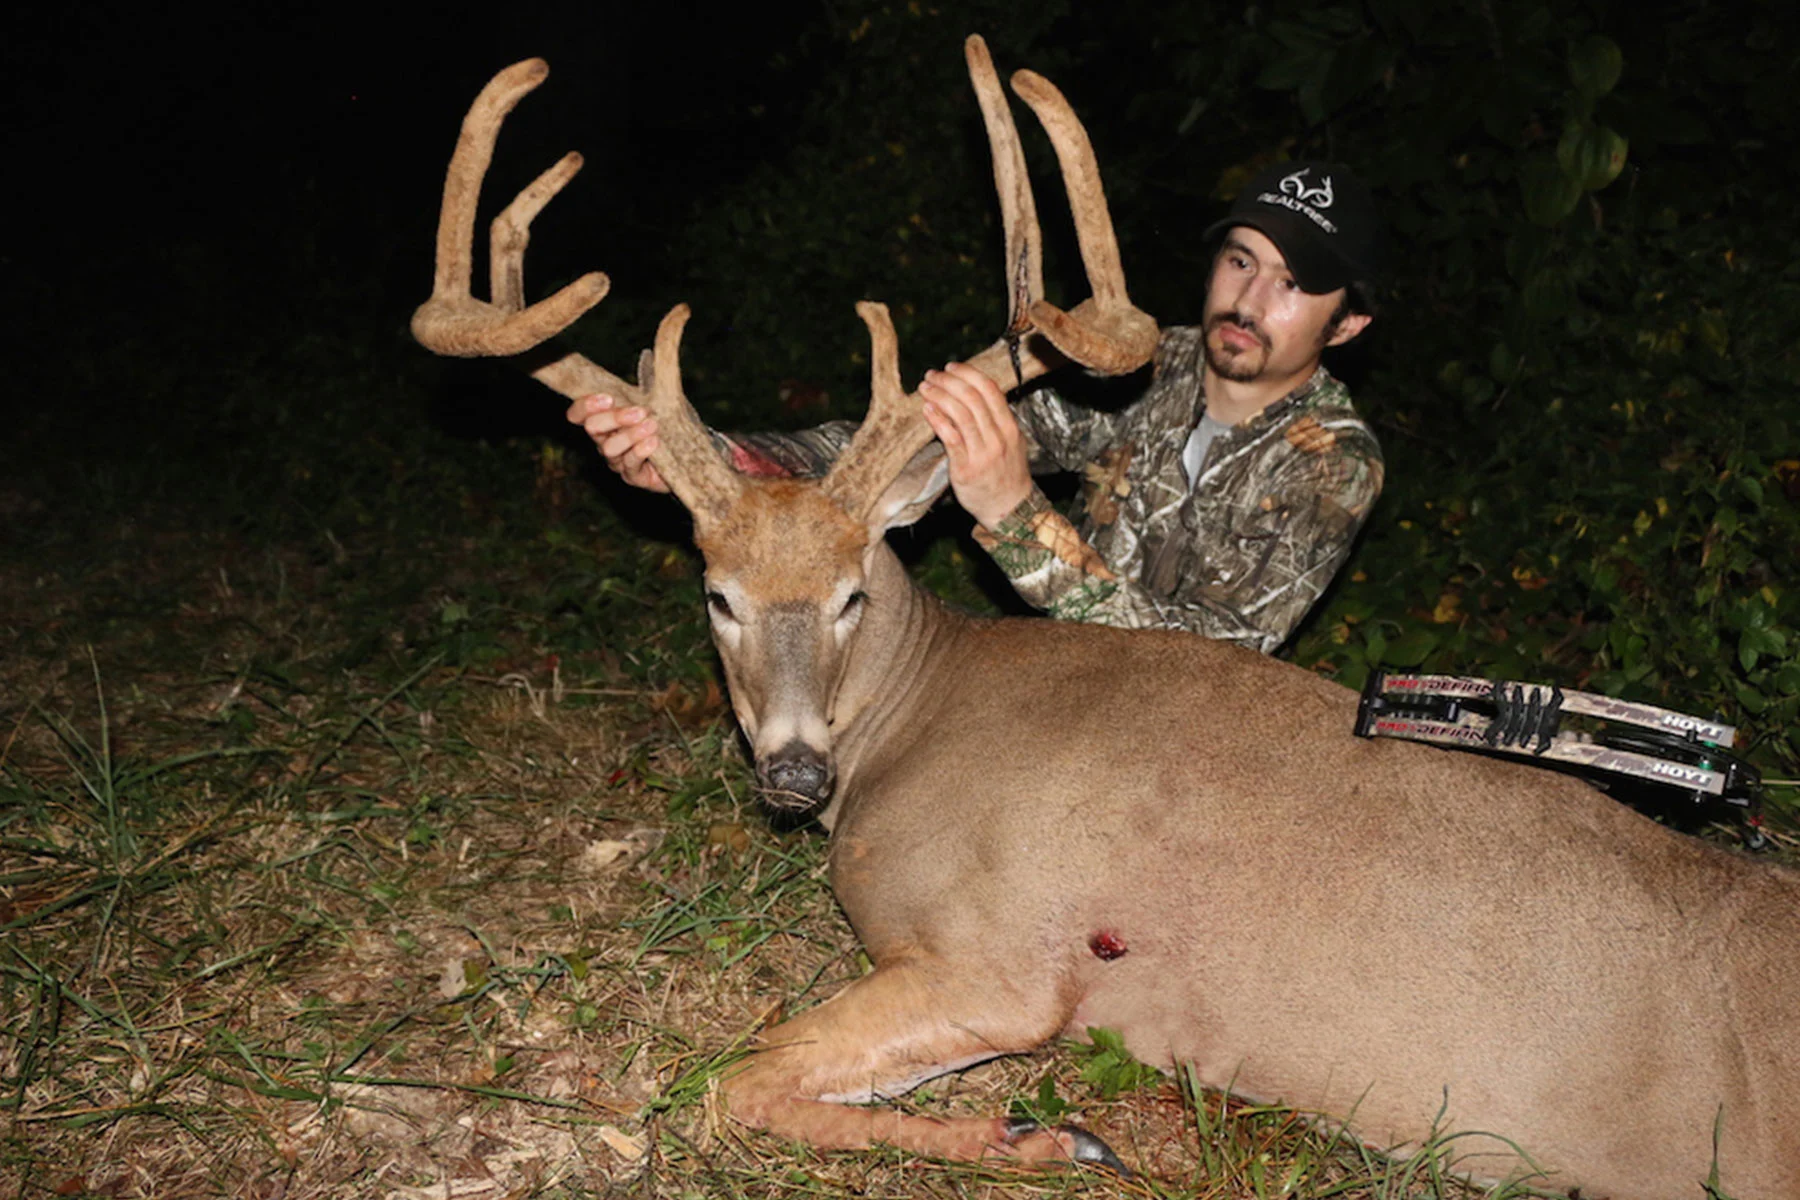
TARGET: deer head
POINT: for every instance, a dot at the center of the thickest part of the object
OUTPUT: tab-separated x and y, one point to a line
792	565
794	571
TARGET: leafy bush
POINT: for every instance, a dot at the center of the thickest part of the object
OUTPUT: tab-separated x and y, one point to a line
1595	475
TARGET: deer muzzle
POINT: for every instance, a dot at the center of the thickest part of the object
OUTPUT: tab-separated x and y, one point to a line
796	778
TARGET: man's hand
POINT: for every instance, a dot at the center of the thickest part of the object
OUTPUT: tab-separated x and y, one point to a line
626	438
989	470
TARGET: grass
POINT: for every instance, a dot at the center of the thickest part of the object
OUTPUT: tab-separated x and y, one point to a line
332	870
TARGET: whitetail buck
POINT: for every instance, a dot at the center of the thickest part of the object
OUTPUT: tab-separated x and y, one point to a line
1040	827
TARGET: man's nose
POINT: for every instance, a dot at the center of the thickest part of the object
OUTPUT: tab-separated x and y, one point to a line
1253	300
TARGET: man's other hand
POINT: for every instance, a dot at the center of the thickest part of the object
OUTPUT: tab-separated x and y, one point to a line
626	438
989	469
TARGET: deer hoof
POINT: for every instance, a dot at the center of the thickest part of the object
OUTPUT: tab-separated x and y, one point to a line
1080	1145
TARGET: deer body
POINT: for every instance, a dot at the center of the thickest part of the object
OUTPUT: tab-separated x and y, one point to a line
1038	828
1415	940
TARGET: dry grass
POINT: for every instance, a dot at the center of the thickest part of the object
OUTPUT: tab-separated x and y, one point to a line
280	927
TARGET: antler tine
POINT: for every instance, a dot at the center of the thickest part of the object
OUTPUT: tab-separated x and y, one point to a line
1018	208
453	322
1081	178
687	459
1106	333
510	234
894	429
1103	333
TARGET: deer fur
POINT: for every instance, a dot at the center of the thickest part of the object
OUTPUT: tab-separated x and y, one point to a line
1400	938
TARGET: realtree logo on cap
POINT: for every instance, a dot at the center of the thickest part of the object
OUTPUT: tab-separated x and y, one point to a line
1296	196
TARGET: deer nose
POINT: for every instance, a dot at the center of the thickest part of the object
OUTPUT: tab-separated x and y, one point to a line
796	778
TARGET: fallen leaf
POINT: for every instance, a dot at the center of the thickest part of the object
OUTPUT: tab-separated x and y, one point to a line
630	1148
728	835
600	857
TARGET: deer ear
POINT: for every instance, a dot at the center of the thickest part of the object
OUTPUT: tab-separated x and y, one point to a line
914	490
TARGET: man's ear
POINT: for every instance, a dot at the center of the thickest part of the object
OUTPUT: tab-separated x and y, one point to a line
1348	328
913	491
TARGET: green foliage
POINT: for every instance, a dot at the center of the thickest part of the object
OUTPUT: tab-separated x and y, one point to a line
1585	379
1045	1106
1108	1067
1107	1070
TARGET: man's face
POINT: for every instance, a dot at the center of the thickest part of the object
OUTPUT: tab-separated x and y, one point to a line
1259	324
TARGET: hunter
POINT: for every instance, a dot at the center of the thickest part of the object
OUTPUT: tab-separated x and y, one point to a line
1223	500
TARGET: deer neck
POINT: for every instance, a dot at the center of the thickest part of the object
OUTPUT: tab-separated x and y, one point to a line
892	670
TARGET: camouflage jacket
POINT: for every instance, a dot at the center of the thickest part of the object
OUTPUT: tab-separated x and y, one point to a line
1241	555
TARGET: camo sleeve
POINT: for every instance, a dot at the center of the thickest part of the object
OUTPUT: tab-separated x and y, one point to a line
1285	544
1060	436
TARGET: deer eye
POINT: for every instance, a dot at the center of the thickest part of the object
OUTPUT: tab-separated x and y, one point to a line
719	606
853	606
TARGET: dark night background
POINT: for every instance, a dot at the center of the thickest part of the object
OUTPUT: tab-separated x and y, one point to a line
1584	379
205	177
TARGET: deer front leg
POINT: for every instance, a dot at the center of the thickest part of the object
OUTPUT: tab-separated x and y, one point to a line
887	1033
